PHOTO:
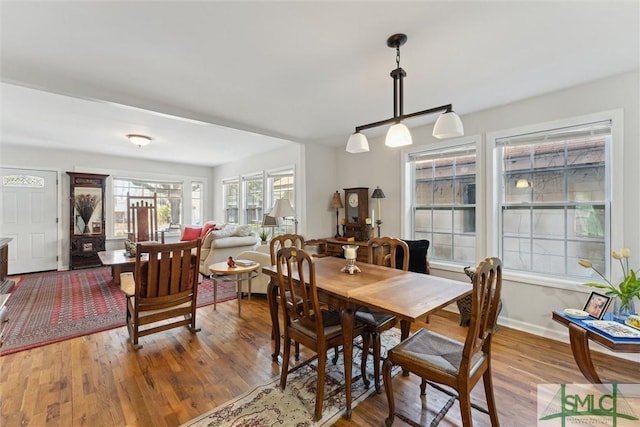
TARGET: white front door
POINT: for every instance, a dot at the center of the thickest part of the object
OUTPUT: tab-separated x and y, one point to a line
29	217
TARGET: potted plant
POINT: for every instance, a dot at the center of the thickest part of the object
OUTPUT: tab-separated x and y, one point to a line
264	235
625	292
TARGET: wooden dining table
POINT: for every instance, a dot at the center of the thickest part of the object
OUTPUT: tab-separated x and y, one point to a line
407	295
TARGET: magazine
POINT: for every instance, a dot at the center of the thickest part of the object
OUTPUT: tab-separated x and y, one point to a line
614	329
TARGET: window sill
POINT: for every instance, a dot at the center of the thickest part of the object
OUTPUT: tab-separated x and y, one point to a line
519	277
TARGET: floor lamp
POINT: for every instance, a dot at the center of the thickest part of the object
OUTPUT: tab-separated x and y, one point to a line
283	209
378	194
336	203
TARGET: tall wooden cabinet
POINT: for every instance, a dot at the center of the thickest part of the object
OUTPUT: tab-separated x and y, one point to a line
356	212
87	221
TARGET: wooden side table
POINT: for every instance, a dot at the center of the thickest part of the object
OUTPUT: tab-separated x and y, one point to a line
221	271
334	248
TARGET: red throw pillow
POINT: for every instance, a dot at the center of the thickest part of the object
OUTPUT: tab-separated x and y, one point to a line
205	229
190	233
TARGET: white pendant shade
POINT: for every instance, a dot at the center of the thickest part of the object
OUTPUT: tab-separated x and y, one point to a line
357	143
448	125
398	136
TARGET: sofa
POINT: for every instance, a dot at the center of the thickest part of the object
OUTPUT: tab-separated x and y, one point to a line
220	241
258	284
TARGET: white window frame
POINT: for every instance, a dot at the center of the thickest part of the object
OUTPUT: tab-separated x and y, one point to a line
225	183
246	179
615	181
407	181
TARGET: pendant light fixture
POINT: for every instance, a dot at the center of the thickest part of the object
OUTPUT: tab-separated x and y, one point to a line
448	124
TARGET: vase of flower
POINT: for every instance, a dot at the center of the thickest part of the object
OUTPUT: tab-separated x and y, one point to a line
85	205
625	292
622	309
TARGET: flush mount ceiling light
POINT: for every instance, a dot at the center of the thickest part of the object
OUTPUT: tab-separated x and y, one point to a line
448	124
139	140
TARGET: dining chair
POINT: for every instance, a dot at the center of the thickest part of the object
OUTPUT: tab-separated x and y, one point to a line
438	359
142	219
308	323
382	251
277	243
162	290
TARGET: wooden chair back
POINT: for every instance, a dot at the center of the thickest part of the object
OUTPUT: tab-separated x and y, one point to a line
142	219
284	241
298	283
166	287
487	286
384	250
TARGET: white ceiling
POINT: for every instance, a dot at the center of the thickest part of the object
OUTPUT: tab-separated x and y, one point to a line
207	80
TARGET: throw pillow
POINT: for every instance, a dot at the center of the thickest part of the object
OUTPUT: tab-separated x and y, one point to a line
243	230
417	255
190	233
205	229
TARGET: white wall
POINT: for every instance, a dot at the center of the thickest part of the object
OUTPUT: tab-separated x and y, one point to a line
527	306
61	161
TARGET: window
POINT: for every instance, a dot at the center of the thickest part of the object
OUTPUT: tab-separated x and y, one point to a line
280	186
169	195
231	194
554	201
444	201
196	203
253	186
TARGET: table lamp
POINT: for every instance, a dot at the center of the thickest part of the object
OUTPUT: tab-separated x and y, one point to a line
336	203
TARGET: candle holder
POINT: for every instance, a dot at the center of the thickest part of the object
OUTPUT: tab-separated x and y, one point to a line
379	225
350	254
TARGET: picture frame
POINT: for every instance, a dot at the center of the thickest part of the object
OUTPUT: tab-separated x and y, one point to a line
597	305
96	227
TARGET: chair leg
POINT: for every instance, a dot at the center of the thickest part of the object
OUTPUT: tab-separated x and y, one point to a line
322	366
376	360
297	353
464	399
491	401
386	377
285	363
366	339
334	360
423	387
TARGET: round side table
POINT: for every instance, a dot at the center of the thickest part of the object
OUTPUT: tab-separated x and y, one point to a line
220	271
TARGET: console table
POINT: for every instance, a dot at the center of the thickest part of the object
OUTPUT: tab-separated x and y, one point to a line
579	336
334	248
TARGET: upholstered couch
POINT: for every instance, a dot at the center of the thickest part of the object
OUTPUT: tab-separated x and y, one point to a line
220	241
258	284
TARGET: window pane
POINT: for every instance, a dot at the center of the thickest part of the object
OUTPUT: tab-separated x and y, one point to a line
554	213
169	196
444	200
196	203
231	191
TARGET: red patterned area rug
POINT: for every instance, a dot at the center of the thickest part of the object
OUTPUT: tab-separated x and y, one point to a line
267	405
49	307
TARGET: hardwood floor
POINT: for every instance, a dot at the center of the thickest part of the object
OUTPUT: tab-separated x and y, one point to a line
98	380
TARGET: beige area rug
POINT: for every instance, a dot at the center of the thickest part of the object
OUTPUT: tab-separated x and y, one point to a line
267	405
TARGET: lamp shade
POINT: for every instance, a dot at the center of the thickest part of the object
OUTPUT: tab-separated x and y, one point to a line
377	193
269	221
282	209
357	143
398	136
448	125
336	201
